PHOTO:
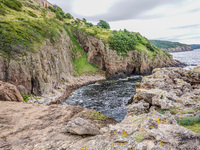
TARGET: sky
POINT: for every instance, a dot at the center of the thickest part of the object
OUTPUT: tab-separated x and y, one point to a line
170	20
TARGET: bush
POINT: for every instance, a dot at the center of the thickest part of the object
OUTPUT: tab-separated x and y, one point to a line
122	41
103	24
32	14
26	97
13	4
59	17
2	10
68	16
52	9
189	121
89	24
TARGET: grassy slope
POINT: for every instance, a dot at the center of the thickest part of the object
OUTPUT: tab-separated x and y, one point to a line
25	30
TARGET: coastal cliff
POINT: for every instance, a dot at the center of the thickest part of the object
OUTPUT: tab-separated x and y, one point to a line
119	65
47	48
36	73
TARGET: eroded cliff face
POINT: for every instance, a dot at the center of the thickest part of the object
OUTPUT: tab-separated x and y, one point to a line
38	72
118	65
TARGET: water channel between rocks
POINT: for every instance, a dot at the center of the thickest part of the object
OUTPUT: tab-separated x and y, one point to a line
108	97
111	97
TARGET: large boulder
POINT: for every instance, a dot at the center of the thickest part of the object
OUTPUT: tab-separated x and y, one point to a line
9	92
81	126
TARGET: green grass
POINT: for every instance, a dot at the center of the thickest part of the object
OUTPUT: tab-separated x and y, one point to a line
192	123
19	37
189	121
194	128
81	65
97	116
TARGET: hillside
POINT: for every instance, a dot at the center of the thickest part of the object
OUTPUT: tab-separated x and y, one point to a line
42	46
171	46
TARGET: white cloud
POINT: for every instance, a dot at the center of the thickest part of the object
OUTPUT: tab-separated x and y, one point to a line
91	7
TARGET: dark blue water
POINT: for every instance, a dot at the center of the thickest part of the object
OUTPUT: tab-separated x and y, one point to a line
191	58
108	97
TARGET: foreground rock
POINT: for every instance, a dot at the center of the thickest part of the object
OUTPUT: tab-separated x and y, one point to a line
9	92
30	126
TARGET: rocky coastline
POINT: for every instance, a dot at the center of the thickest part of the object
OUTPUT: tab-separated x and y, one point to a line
162	101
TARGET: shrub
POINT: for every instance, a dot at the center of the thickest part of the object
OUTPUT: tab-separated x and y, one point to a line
122	41
52	9
13	4
103	24
89	24
2	10
59	17
68	16
26	97
32	14
189	121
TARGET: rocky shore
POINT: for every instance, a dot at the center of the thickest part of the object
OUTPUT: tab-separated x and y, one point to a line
162	101
9	92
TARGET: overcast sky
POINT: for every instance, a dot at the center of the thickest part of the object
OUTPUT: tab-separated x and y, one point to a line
172	20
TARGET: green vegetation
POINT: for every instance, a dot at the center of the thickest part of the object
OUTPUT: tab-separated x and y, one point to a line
192	123
32	14
166	44
81	65
124	41
24	27
26	97
97	116
188	121
139	137
103	24
13	4
18	37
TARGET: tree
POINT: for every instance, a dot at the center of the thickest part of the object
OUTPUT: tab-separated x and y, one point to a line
103	24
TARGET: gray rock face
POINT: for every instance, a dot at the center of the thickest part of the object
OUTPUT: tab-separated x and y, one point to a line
81	127
38	72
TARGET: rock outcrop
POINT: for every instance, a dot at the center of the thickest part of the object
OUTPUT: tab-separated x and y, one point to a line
31	126
38	72
116	65
9	92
